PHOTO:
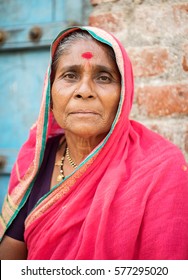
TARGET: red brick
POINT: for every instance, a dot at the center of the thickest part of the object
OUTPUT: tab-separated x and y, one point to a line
96	2
185	58
152	22
163	100
180	9
149	61
181	16
108	21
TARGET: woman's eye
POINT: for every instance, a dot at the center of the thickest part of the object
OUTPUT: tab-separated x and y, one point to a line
69	76
104	79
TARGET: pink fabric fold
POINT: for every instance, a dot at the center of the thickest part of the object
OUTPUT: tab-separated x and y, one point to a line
130	206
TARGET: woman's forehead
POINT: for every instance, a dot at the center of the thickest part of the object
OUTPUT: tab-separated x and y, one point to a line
90	52
87	50
81	50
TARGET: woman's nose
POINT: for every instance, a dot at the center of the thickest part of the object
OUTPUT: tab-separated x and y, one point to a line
84	90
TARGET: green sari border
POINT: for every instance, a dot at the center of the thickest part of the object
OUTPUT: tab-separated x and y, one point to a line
94	35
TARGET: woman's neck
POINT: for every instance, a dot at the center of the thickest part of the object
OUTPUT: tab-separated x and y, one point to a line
80	148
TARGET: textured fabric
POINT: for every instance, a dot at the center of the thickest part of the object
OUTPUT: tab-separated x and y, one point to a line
126	200
41	187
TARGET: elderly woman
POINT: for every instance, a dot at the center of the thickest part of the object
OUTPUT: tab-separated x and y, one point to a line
90	183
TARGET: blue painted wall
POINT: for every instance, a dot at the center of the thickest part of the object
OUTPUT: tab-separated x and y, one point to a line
26	31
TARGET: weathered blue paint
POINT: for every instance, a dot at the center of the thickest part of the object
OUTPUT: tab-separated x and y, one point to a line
22	67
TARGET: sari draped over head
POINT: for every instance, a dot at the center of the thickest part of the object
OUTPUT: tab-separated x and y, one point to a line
127	200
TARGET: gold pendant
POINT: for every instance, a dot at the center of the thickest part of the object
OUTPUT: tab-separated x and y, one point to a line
59	178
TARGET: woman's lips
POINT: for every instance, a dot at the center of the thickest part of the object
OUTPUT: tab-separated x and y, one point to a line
84	112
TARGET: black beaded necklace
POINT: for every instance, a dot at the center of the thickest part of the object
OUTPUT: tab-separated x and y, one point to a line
60	163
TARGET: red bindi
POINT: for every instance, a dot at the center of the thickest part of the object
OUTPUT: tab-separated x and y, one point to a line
87	55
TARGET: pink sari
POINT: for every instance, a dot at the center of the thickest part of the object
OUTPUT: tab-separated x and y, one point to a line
127	200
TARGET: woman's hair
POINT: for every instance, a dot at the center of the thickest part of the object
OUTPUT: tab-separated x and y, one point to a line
68	41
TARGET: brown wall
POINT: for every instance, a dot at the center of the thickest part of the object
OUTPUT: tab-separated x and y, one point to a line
155	34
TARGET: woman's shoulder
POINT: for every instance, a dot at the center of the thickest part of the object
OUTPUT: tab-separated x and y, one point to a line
155	147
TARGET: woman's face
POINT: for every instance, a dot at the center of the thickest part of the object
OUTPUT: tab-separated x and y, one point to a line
86	90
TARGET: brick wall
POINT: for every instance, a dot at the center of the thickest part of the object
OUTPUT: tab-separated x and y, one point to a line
155	34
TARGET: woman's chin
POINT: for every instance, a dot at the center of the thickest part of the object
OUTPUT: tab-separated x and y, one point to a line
88	132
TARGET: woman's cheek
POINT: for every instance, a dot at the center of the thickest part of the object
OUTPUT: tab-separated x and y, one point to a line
59	116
